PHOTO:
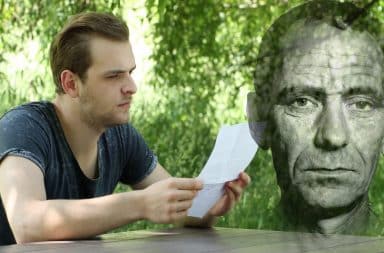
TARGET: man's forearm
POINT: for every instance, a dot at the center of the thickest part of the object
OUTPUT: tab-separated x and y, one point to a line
76	219
159	198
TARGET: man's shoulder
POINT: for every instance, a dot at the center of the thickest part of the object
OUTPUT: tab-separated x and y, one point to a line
26	131
33	110
27	119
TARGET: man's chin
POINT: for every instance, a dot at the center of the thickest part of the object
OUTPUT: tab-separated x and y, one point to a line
328	198
116	122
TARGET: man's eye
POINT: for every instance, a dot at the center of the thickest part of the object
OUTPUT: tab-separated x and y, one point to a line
363	106
112	76
302	102
302	105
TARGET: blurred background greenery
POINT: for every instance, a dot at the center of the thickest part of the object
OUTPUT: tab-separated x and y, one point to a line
194	68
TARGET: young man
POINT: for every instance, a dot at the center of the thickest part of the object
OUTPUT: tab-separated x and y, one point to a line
61	160
319	84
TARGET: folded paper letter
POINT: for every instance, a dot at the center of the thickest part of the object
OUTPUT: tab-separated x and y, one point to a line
232	153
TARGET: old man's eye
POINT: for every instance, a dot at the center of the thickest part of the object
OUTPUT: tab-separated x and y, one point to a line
298	105
302	102
363	106
301	105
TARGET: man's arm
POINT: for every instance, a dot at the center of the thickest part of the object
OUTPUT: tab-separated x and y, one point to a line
34	218
158	174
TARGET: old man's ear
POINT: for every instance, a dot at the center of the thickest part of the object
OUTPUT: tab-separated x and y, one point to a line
257	127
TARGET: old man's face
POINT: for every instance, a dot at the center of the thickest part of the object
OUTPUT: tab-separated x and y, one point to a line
328	119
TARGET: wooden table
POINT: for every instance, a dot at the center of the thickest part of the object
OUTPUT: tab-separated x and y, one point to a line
212	240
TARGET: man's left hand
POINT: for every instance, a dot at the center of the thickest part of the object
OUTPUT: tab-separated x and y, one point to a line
233	191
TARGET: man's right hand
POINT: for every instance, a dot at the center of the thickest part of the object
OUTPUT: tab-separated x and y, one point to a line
168	200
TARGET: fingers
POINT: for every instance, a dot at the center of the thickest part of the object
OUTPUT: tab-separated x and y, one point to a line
179	195
232	197
183	188
182	206
178	211
235	188
186	183
245	178
169	200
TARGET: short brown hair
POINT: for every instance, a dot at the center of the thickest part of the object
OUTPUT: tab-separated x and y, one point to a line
70	48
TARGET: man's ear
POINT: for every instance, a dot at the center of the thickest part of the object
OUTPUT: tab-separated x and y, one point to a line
70	83
257	126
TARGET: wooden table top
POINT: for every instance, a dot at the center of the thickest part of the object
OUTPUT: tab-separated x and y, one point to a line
186	240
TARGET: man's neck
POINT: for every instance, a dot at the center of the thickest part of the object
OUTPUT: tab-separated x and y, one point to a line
81	137
351	220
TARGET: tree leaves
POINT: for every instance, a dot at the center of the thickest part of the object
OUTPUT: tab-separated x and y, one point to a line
35	20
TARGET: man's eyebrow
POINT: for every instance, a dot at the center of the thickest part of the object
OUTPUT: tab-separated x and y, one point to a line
364	90
309	90
320	91
119	71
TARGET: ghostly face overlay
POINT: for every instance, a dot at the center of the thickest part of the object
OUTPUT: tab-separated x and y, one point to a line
328	118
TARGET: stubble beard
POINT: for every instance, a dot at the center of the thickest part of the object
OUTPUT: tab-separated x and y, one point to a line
89	115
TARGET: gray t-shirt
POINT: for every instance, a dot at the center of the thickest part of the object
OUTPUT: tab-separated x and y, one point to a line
33	131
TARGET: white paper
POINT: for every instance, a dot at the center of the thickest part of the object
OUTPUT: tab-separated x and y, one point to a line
211	193
232	153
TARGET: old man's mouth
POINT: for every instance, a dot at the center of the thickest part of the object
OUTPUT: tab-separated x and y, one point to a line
330	172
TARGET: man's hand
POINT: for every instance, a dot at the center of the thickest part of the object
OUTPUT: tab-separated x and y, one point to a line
167	201
233	191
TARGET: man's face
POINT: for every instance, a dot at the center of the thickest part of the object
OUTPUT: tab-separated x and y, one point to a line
106	95
328	121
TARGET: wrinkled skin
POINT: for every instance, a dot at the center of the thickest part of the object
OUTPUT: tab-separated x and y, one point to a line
327	122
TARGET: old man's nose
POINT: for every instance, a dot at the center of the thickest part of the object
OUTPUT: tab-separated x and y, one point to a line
332	132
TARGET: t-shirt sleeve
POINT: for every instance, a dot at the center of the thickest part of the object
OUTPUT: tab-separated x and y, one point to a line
22	134
140	161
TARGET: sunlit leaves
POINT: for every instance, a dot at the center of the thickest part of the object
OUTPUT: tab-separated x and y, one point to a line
34	20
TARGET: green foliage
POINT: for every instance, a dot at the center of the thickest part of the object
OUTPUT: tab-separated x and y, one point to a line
203	54
22	23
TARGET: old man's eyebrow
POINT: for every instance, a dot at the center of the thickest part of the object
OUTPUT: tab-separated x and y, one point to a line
289	91
365	90
371	92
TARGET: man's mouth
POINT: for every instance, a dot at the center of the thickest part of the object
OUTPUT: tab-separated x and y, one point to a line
329	171
125	104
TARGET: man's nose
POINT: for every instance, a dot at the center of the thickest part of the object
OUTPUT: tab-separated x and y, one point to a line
332	132
129	86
